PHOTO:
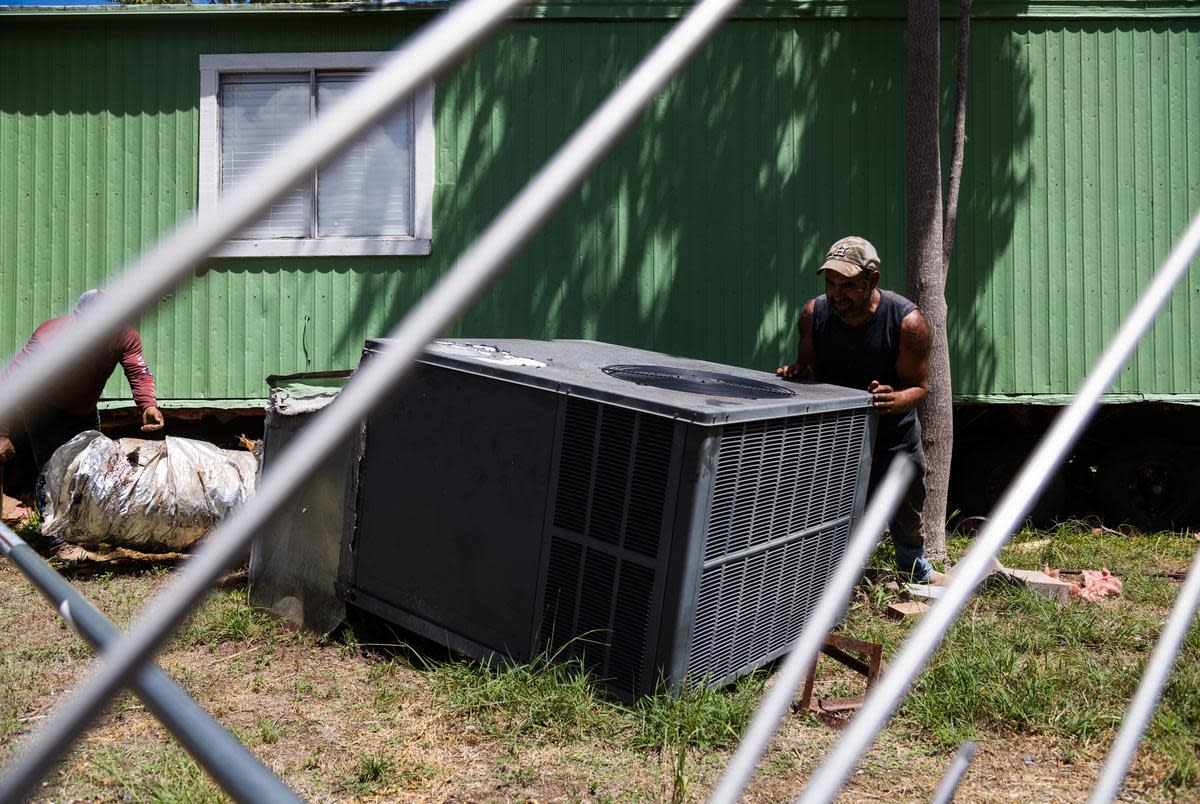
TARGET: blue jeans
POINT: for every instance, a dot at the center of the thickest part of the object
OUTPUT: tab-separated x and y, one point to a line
905	526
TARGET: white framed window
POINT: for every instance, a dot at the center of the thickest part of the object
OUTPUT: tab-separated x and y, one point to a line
375	198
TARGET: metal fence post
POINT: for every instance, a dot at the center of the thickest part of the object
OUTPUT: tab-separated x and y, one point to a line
958	766
227	761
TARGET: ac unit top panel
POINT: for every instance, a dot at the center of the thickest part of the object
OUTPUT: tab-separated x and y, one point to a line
578	368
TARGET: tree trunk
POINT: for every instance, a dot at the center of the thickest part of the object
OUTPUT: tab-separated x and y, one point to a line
925	257
931	238
937	411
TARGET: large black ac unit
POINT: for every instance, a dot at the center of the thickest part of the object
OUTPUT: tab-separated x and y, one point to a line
664	519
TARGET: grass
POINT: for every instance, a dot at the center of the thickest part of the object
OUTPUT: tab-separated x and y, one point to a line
558	702
373	774
30	528
267	730
700	718
226	617
160	776
543	700
1015	661
339	720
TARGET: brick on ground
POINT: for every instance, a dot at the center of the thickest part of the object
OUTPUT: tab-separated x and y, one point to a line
1040	582
913	608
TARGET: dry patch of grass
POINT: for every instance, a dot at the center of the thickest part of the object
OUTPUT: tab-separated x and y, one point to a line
1041	689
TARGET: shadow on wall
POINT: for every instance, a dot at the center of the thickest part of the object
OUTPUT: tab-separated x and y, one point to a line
698	235
996	181
701	233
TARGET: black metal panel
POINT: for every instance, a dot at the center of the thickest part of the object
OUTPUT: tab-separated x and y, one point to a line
575	467
559	365
562	590
627	669
750	609
294	559
452	488
502	512
783	476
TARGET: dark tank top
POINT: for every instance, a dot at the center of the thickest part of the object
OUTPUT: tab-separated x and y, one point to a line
853	356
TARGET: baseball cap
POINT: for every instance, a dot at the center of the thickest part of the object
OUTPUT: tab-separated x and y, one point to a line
850	256
88	298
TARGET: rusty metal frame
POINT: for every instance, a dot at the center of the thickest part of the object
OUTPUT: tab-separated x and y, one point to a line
837	647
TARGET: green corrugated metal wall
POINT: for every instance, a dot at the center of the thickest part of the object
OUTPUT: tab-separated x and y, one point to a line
699	235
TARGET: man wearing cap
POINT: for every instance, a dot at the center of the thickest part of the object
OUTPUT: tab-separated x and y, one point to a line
69	407
859	336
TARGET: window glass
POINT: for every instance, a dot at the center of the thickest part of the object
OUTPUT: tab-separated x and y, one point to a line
374	198
368	189
259	113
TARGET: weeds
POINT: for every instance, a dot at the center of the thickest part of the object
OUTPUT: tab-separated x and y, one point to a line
373	773
1175	730
559	702
700	718
553	701
1016	662
226	617
1013	664
268	731
30	528
164	776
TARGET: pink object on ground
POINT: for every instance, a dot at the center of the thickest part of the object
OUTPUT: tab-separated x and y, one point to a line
1095	584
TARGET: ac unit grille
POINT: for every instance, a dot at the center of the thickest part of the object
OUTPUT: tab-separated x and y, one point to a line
753	607
597	608
613	471
783	476
575	469
783	496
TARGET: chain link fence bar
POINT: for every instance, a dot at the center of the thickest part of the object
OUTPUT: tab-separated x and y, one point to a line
1008	514
228	762
954	774
804	653
481	263
1158	670
430	51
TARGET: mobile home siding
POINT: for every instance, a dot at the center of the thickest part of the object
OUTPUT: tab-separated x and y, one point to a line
700	233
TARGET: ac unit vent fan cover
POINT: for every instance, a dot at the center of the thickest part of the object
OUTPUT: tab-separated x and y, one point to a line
695	381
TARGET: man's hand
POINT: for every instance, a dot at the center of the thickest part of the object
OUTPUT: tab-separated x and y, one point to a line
796	372
152	419
6	449
883	397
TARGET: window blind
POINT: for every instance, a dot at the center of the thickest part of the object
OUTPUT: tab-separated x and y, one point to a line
367	191
259	113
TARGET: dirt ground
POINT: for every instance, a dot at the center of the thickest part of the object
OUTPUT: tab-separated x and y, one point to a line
312	711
